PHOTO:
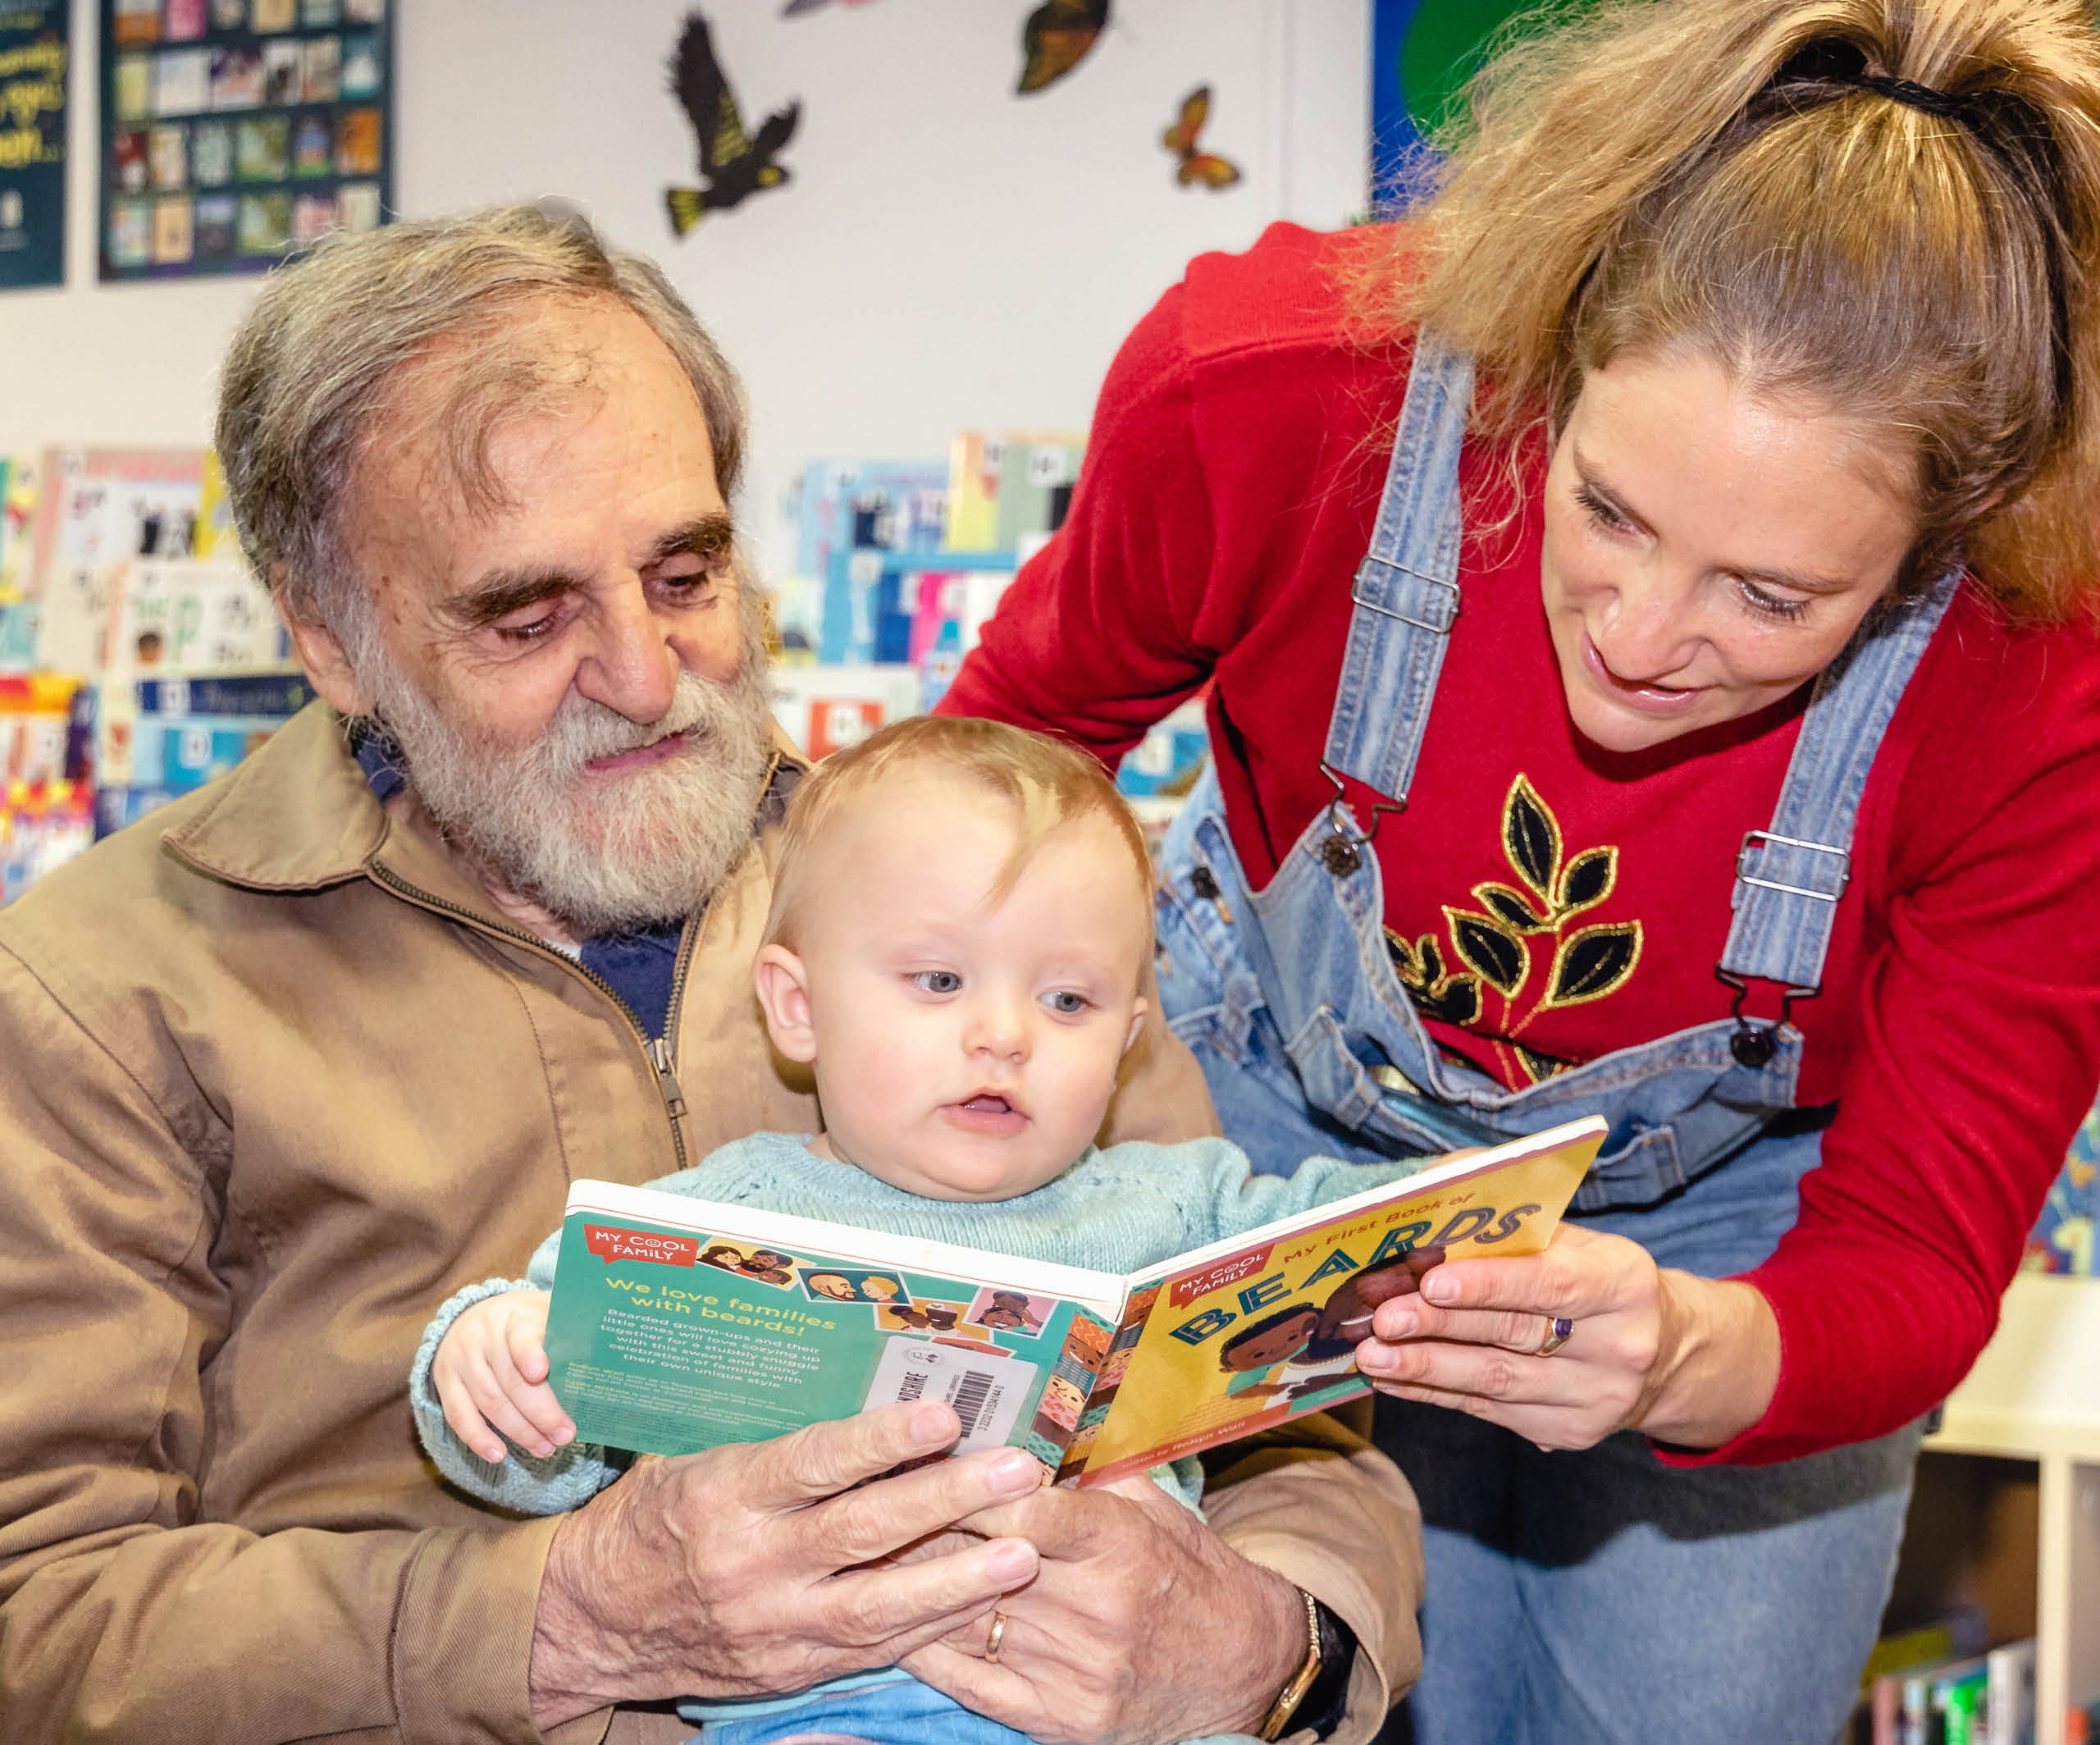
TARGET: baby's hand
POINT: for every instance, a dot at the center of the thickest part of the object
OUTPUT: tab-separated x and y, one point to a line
491	1374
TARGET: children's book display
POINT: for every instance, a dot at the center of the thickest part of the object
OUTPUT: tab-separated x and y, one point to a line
678	1325
1964	1697
896	566
140	658
2062	1241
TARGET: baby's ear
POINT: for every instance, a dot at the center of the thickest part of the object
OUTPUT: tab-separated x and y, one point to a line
1137	1023
784	995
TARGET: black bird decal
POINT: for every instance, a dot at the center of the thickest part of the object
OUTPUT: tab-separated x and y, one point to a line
732	165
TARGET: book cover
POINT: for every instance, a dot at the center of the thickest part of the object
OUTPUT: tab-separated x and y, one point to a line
1249	1333
1037	473
679	1324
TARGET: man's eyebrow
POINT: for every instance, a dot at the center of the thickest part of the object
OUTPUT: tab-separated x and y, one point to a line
1597	488
709	535
501	592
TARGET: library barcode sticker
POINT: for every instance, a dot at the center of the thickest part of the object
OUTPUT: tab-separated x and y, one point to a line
987	1392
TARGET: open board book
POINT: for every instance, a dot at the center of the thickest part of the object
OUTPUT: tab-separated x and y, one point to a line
680	1324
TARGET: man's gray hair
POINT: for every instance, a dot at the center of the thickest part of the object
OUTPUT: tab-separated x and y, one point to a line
309	373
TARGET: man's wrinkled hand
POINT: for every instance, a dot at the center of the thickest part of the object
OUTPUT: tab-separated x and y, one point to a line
761	1568
1142	1627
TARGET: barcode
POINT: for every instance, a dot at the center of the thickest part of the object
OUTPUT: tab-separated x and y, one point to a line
969	1398
913	1385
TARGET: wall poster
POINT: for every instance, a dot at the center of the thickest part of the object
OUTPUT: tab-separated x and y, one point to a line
1423	53
235	132
35	53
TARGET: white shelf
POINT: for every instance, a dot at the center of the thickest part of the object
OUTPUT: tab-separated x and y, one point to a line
2034	1395
2036	1389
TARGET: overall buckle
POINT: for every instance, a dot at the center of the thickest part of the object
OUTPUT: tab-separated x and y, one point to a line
1752	839
1441	605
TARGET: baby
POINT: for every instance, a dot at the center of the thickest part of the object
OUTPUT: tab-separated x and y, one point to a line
960	925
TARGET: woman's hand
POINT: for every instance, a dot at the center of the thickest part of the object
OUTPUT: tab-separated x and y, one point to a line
1141	1625
1687	1360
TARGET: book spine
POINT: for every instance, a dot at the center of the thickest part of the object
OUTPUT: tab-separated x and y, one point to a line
1121	1341
248	693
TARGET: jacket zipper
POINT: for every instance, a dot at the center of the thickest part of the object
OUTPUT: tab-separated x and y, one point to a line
653	1048
658	1051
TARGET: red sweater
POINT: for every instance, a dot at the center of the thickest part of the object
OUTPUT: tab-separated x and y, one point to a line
1229	491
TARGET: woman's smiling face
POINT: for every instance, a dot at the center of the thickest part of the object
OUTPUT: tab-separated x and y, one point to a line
1707	550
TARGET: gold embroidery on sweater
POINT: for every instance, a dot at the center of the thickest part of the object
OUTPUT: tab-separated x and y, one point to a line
1518	929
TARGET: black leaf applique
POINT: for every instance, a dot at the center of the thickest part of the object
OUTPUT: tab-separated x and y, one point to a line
1492	945
1530	838
1592	963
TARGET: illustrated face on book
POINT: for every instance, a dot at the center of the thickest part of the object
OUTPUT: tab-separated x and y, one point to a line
1268	1343
965	1043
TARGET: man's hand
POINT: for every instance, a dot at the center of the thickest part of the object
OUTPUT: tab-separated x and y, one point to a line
491	1374
738	1572
1141	1628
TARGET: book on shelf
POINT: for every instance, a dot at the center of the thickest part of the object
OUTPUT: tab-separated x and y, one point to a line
2009	1694
1003	486
678	1325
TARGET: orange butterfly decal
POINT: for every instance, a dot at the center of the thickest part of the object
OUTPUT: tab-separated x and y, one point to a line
1206	167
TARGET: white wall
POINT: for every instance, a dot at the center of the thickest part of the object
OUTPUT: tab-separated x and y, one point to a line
948	254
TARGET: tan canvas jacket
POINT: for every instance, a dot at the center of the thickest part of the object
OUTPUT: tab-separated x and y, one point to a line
274	1081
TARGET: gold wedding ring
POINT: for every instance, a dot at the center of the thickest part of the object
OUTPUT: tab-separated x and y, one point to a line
992	1642
1556	1336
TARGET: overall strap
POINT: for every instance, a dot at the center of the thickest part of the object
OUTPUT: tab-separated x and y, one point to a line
1788	878
1406	592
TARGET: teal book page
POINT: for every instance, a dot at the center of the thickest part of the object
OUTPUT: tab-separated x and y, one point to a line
667	1339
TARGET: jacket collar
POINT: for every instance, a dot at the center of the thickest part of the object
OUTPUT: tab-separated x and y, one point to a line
295	817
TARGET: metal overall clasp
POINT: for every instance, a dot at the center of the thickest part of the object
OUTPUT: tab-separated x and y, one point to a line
1341	853
1754	1044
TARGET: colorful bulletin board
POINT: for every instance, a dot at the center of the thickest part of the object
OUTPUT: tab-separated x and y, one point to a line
35	57
236	131
1422	53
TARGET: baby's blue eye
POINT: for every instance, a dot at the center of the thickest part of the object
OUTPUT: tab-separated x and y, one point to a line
936	981
1065	1003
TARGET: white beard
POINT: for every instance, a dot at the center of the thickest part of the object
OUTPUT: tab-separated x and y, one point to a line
607	853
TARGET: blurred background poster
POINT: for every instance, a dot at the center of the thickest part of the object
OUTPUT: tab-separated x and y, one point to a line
235	132
34	56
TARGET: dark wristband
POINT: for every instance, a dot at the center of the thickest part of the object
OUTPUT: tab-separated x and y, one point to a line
1326	1700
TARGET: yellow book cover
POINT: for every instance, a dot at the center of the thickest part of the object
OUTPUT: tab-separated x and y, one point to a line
1230	1340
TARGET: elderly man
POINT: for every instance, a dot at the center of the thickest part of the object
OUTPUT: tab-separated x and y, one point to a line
289	1061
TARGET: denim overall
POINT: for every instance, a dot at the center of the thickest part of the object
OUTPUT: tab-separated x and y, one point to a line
1599	1595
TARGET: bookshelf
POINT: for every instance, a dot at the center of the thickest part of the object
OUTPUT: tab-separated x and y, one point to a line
2034	1395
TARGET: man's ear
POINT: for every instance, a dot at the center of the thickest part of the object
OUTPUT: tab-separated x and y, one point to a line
1137	1023
328	667
784	995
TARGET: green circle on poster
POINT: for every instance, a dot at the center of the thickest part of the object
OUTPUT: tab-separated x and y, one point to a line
1442	51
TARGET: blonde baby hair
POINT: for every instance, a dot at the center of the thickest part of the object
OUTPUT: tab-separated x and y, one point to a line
1051	784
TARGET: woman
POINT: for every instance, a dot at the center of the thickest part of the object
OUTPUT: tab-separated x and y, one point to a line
1711	739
